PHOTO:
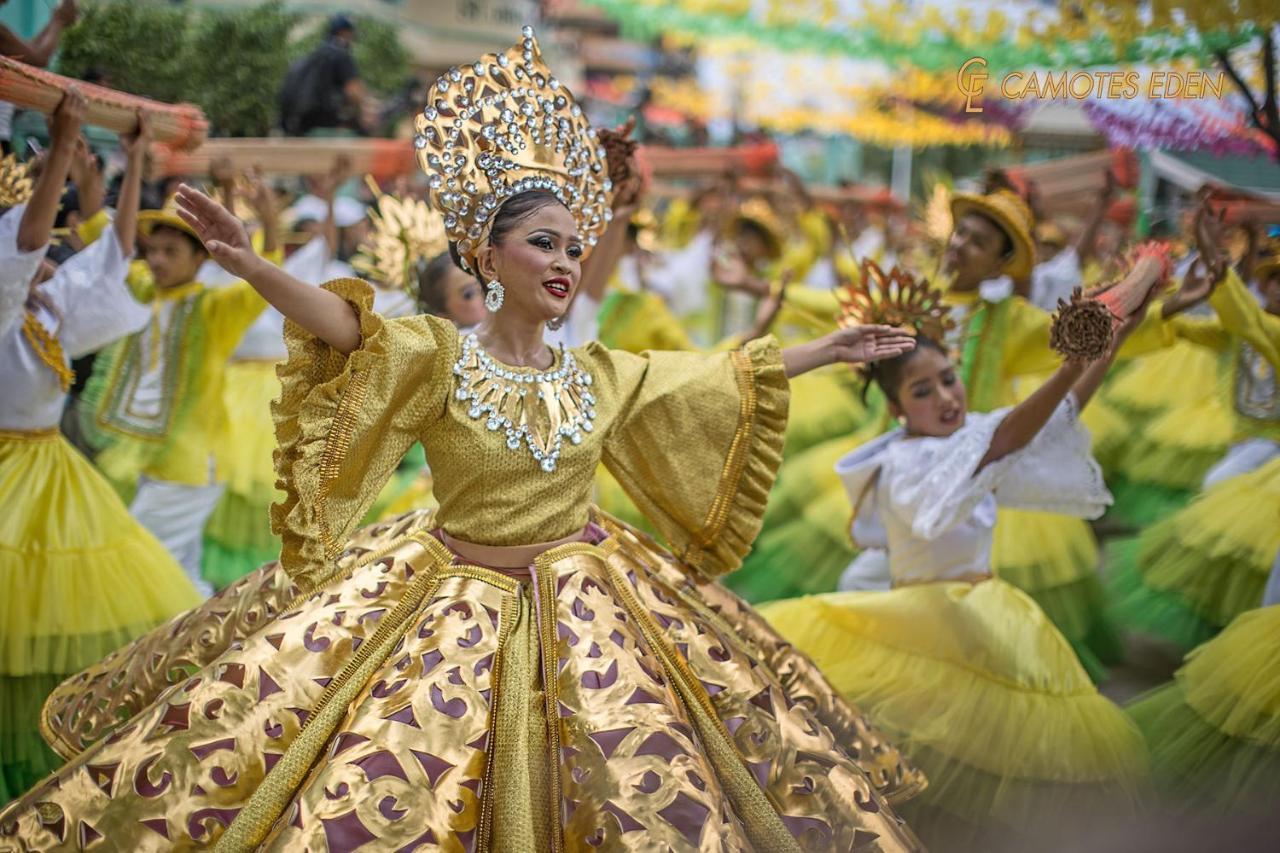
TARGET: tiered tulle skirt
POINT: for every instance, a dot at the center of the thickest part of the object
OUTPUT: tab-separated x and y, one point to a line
78	579
238	537
1214	732
1187	577
987	697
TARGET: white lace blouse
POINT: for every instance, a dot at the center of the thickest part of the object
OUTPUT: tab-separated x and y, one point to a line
94	307
920	499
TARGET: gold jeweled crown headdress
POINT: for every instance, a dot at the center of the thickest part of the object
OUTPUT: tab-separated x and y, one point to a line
502	126
15	182
896	298
405	233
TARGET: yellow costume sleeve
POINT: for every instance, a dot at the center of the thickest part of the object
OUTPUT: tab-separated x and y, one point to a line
1026	348
1202	331
91	229
1241	315
140	281
697	444
810	309
232	310
344	421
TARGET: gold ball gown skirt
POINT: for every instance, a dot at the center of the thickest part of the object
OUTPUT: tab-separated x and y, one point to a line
610	698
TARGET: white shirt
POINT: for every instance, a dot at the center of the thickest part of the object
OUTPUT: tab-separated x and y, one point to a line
16	268
920	499
96	308
1056	278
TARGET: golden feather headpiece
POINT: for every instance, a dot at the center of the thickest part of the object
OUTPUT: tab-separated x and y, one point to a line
15	182
503	126
405	233
896	298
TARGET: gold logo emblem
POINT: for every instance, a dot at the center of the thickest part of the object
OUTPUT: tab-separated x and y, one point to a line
969	80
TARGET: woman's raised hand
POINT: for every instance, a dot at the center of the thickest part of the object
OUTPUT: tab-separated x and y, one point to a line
222	234
853	344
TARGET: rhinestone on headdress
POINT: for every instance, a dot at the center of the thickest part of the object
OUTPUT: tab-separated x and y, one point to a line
502	126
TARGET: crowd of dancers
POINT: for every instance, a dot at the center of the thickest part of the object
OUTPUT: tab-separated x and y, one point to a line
441	517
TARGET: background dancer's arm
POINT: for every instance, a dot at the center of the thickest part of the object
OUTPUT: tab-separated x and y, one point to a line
135	147
42	207
324	314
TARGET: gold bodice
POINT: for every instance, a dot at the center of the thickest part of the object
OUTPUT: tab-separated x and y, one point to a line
695	439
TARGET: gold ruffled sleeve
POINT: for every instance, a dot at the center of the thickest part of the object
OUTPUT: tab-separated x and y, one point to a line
697	444
343	422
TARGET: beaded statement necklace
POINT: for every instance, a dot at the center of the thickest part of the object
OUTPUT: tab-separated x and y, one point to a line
536	409
47	348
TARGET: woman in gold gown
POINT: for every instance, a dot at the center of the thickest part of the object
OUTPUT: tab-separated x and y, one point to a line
515	671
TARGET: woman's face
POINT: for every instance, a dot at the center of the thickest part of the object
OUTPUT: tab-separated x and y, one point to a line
539	263
463	298
931	396
975	251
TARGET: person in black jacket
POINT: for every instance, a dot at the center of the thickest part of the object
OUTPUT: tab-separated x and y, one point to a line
324	89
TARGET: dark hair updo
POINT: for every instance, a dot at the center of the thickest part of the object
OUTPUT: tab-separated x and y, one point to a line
887	374
510	214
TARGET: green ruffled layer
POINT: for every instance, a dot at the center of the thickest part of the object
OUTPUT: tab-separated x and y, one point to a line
1198	767
25	759
1138	607
1142	504
237	540
802	558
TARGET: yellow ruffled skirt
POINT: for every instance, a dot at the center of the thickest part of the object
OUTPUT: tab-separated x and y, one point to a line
1163	380
238	536
79	577
1188	576
985	695
611	698
1054	559
1214	732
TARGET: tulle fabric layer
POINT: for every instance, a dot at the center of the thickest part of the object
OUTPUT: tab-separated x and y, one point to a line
1054	559
986	695
237	540
1214	732
1192	573
24	757
79	577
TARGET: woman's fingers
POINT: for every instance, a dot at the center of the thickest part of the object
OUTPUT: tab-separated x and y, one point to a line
194	222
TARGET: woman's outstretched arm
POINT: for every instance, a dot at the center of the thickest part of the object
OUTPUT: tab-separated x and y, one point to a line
325	315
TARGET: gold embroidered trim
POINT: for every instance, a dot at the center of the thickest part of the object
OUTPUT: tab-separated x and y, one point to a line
268	801
48	349
42	434
336	445
966	577
549	643
759	817
498	695
736	460
177	347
